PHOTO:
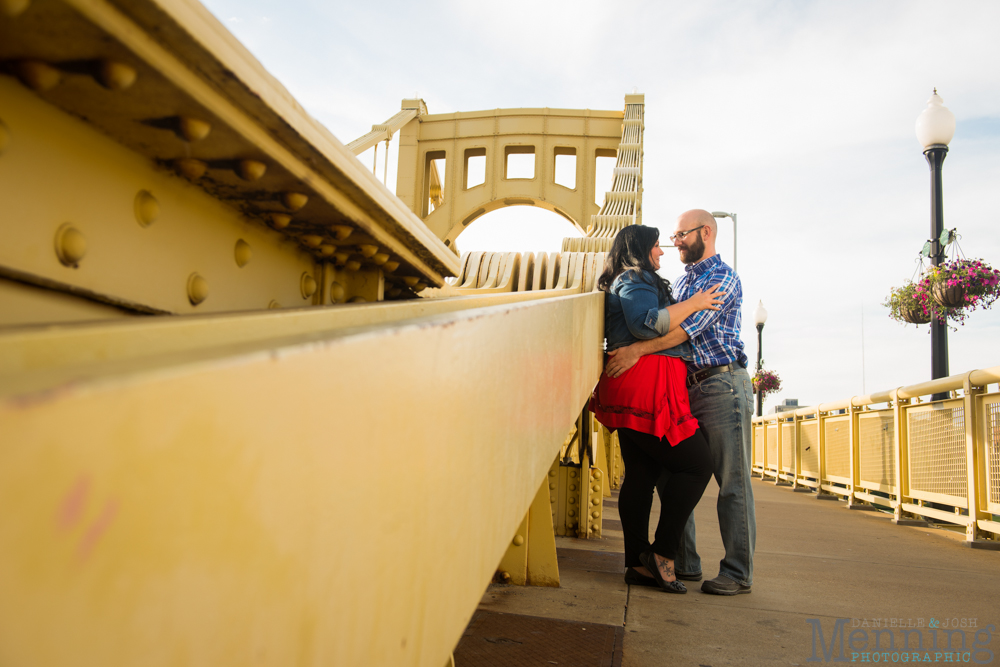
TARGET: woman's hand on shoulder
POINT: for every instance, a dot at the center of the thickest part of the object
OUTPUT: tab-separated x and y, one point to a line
710	299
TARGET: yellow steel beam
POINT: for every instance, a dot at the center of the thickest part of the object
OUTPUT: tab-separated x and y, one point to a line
61	352
195	97
338	500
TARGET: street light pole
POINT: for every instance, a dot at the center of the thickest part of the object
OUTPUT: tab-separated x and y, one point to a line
722	214
935	129
759	318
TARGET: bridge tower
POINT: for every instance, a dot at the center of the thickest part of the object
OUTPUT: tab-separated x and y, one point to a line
449	202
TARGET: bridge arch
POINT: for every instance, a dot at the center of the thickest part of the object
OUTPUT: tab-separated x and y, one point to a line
447	203
516	229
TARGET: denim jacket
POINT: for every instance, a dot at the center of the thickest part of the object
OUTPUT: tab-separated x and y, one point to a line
633	311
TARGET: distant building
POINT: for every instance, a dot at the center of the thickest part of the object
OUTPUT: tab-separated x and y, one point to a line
785	406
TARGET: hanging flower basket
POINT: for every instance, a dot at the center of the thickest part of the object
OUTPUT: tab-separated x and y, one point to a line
948	297
914	314
961	285
910	304
766	382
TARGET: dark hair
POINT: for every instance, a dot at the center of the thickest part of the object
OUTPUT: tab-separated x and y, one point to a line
630	252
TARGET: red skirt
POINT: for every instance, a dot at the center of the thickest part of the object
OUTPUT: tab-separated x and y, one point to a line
651	397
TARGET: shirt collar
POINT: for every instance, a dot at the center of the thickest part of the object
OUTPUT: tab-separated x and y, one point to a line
705	265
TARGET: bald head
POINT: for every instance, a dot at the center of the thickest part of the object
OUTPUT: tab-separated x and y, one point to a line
699	244
697	216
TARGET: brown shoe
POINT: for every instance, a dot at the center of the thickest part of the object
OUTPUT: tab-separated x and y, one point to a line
723	586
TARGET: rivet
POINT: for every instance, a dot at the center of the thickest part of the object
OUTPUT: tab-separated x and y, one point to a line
410	280
571	513
572	473
595	501
596	487
367	250
293	201
307	285
190	168
147	208
595	514
193	129
251	170
4	137
341	257
572	501
552	485
572	487
71	245
552	473
37	75
518	540
352	265
342	231
389	267
552	500
280	220
380	258
242	253
273	304
312	240
328	249
12	8
357	299
597	474
337	293
505	576
197	289
114	75
394	292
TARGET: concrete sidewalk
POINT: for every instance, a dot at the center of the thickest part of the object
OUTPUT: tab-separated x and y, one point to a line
815	560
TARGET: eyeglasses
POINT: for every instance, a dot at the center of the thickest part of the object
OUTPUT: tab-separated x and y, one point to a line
682	235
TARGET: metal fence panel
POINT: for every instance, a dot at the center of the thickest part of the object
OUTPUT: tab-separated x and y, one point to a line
991	414
877	450
808	446
837	453
938	464
772	446
787	441
758	450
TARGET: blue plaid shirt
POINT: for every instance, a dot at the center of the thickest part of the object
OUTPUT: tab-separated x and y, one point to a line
715	334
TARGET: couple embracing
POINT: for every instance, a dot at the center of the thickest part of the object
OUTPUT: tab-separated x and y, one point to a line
676	389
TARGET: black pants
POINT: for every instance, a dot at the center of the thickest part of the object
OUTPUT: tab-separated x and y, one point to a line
646	457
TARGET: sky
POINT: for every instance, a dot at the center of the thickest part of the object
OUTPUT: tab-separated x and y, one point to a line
798	116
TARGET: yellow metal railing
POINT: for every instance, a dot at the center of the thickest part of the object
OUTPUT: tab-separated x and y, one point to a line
897	450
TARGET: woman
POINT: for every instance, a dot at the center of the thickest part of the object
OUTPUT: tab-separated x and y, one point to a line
648	406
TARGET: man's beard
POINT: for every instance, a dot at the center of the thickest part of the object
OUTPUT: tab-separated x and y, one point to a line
693	252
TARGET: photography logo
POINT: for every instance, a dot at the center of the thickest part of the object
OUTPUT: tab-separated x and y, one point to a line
902	640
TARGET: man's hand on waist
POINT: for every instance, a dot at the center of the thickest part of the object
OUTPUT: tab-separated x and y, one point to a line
626	357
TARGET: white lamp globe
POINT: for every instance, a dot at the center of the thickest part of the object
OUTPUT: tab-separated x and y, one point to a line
935	124
760	314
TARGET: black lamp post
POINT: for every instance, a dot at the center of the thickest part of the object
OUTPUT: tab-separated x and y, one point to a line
935	128
759	318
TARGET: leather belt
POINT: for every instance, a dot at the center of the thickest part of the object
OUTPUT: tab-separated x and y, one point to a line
698	376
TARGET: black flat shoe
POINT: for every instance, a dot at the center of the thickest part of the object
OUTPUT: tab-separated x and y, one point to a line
649	561
633	578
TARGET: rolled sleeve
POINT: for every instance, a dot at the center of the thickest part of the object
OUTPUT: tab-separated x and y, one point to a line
659	320
640	303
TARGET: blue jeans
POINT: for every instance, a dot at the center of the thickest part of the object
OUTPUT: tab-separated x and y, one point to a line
723	405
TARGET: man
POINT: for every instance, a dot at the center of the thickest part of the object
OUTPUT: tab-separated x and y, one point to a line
720	391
